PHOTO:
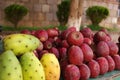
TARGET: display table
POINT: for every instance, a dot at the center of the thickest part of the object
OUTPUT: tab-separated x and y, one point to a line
114	75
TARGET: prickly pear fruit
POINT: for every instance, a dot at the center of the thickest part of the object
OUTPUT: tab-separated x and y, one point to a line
51	66
31	67
72	72
10	68
20	43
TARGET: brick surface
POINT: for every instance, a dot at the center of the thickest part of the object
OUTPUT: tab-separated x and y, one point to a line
25	0
51	2
53	8
37	23
55	17
45	8
45	23
42	1
41	16
43	12
37	8
49	16
26	23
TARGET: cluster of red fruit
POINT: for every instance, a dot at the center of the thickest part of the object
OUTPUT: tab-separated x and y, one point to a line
82	54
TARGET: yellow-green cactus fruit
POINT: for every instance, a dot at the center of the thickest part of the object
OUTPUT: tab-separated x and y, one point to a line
31	67
10	68
51	66
20	43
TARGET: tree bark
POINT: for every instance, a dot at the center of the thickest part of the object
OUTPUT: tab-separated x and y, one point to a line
75	15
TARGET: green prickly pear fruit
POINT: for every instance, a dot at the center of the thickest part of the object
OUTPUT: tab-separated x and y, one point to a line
10	68
20	43
51	66
31	67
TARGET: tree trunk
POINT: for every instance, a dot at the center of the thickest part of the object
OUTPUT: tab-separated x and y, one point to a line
75	14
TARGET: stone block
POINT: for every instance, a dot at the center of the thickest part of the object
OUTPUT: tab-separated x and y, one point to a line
26	23
27	17
59	1
41	16
49	16
42	1
37	23
54	23
35	17
115	7
24	0
45	23
53	8
55	17
7	4
108	20
51	2
110	6
34	1
45	8
37	8
29	6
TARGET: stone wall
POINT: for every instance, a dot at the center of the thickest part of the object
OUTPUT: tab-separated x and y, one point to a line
43	12
112	5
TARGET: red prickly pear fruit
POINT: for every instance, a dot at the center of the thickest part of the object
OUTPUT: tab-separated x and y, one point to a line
36	54
62	53
41	53
111	63
75	38
41	35
33	32
65	33
25	31
102	49
47	45
52	32
87	52
87	41
113	48
54	51
116	59
84	72
87	32
51	40
63	64
103	63
94	68
100	36
65	43
72	72
75	55
40	47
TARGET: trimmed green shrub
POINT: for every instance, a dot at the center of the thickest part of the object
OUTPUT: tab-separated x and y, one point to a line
97	13
95	27
63	12
14	13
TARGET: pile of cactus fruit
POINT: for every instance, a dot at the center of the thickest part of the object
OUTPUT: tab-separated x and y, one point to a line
18	62
58	55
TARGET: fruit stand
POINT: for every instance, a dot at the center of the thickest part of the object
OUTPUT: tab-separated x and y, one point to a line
77	55
114	75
